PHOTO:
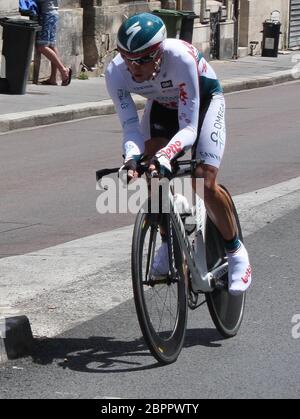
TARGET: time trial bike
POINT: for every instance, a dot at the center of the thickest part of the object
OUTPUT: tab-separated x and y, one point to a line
198	267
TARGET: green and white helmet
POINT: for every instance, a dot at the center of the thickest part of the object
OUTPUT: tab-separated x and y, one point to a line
141	35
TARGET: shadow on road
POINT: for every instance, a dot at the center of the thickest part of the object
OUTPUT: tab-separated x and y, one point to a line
108	354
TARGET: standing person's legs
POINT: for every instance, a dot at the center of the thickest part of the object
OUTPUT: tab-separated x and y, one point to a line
56	64
53	76
46	45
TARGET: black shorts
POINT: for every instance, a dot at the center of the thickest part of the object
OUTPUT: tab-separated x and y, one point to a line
163	122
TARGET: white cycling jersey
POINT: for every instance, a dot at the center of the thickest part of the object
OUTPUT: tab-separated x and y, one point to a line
185	82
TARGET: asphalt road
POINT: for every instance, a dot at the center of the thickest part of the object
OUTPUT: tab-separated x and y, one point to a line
105	357
47	175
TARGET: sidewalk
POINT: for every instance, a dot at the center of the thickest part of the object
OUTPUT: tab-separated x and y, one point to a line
44	105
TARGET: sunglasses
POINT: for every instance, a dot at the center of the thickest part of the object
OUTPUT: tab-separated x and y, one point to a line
142	60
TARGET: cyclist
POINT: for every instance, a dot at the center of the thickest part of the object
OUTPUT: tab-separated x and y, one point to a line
185	109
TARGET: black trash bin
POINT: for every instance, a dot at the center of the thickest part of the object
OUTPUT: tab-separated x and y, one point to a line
271	34
18	42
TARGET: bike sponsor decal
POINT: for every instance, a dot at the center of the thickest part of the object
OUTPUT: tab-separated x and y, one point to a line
183	96
167	84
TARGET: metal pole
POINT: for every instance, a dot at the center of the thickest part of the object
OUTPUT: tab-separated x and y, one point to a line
236	16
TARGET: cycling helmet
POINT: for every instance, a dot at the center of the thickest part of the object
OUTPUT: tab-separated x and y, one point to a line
141	35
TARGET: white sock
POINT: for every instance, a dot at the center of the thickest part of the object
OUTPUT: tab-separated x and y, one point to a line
239	271
160	266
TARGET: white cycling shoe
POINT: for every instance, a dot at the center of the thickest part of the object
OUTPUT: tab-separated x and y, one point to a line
160	265
239	271
239	268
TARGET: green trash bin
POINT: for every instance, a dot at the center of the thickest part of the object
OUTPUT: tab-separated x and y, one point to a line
187	25
180	24
172	20
18	42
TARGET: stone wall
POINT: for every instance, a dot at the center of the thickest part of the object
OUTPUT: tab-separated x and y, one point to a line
101	21
8	7
202	31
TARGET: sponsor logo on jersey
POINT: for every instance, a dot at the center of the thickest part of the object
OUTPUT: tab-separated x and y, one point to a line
172	149
167	84
183	93
122	94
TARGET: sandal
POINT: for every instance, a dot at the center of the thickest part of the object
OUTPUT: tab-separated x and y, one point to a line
67	81
48	83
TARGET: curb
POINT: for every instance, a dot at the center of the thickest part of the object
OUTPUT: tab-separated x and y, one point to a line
47	116
16	338
272	79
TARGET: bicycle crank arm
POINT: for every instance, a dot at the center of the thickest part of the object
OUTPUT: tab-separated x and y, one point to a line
218	277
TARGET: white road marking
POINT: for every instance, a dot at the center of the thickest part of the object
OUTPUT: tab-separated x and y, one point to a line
63	286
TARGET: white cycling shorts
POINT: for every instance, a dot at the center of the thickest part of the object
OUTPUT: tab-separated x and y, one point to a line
160	122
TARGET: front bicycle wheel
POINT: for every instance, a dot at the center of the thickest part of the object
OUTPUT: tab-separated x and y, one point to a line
225	309
161	303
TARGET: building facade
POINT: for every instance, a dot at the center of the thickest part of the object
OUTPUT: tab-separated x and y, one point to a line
252	15
223	29
101	21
